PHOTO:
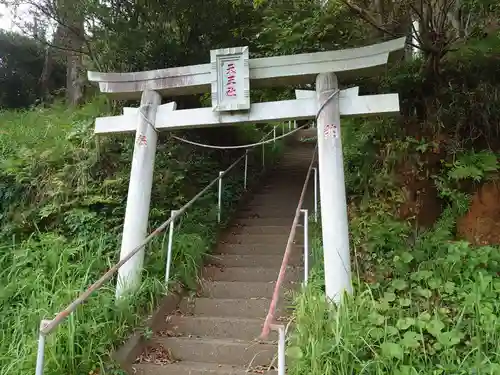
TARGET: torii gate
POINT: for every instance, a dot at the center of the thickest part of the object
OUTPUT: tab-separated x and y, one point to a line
228	77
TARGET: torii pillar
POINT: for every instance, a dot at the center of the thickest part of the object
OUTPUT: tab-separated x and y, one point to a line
332	189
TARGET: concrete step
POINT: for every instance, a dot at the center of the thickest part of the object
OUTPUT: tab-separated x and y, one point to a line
272	196
286	184
262	238
255	260
285	197
255	249
238	289
288	168
197	368
266	215
245	329
289	206
280	230
245	274
245	220
220	351
268	211
236	308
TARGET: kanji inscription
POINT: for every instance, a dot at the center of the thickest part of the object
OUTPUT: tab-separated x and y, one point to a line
230	79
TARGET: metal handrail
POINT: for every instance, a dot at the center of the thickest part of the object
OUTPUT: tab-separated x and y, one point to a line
73	305
47	326
272	308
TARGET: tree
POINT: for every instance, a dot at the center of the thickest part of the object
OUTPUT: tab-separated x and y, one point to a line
68	44
442	23
21	64
298	26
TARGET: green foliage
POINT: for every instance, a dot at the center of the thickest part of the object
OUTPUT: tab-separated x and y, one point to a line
462	104
423	305
424	302
63	194
371	146
305	26
473	165
132	35
469	167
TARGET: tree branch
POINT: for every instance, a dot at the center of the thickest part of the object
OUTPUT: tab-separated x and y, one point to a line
45	42
373	22
51	13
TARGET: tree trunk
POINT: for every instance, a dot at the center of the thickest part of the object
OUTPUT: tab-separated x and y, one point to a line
46	73
71	17
74	81
51	54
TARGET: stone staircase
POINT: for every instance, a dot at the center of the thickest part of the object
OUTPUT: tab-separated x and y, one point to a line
216	331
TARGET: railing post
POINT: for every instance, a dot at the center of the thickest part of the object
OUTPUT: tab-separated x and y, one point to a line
315	195
169	248
281	350
290	125
274	134
295	124
246	170
219	210
263	156
40	357
306	246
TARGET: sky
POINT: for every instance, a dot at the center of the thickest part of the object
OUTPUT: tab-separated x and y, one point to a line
7	19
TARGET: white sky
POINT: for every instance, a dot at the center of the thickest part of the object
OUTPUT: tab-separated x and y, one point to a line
7	18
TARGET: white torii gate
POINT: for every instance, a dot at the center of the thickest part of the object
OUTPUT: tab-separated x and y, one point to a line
228	77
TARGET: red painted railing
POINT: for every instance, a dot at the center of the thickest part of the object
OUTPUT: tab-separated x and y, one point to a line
272	308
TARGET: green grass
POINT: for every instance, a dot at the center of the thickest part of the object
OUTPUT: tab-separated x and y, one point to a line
63	197
423	305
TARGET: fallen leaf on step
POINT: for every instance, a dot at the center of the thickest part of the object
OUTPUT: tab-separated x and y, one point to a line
157	355
259	369
168	333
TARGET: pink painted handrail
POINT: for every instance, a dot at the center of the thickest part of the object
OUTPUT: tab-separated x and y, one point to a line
272	308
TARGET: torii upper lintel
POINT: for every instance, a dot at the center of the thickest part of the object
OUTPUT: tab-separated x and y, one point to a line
264	72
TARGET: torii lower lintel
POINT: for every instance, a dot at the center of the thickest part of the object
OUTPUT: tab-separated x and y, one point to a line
300	109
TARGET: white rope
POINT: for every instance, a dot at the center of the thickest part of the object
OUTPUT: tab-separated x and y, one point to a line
332	95
145	118
251	145
335	92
